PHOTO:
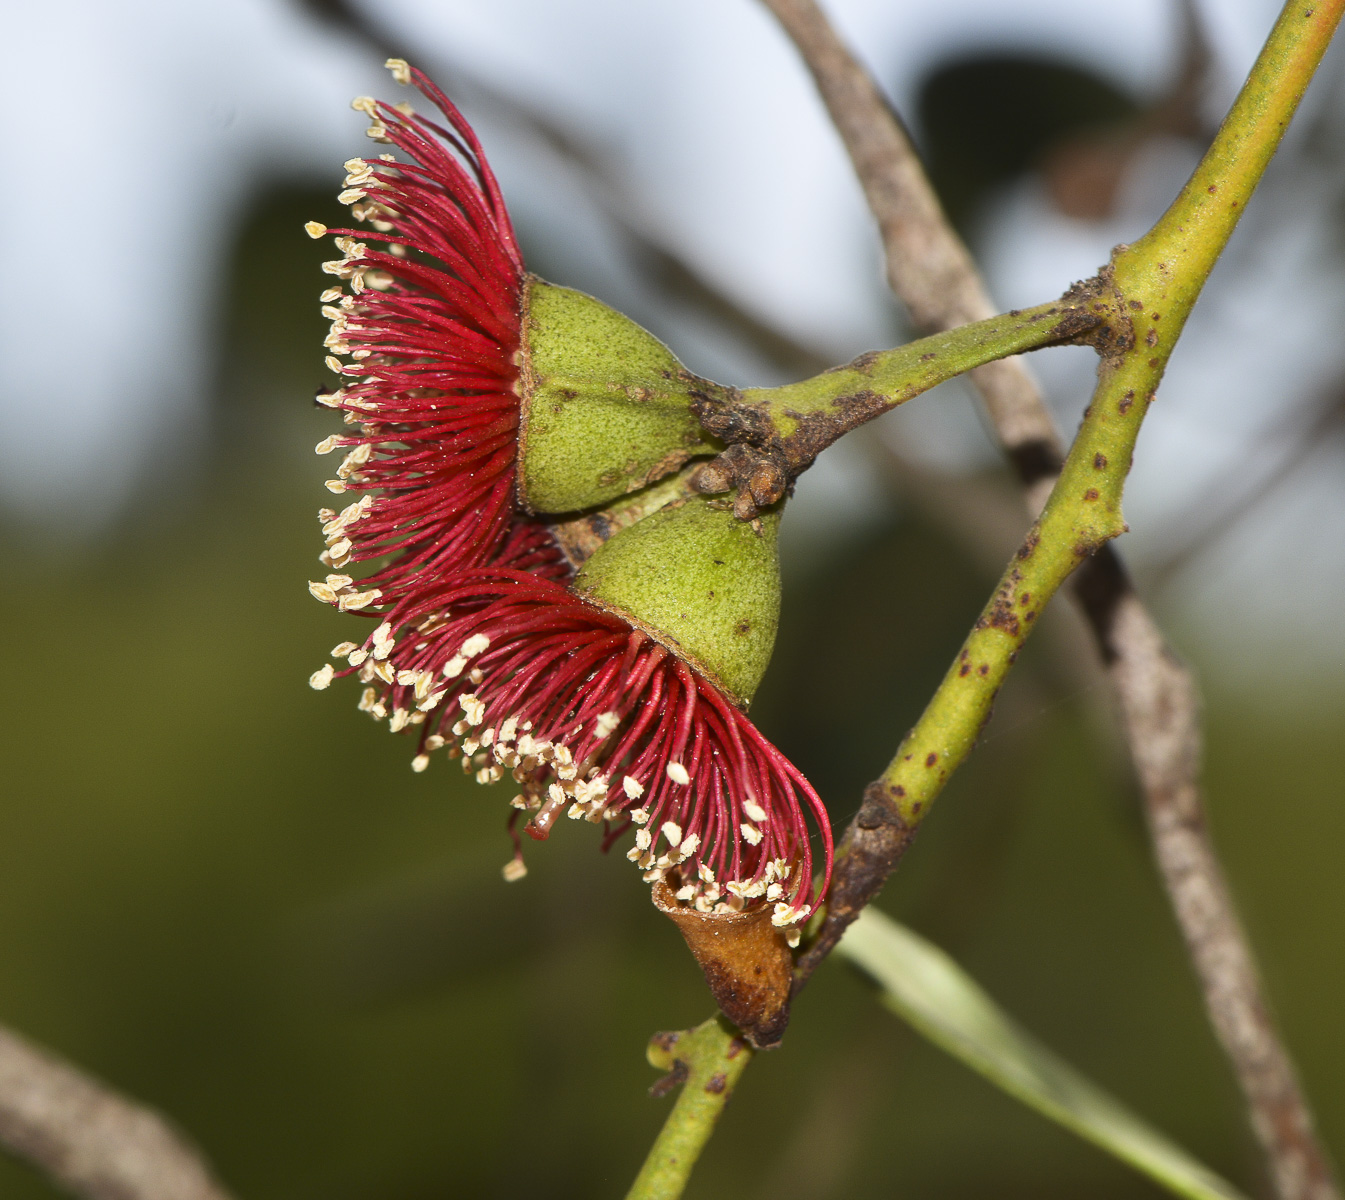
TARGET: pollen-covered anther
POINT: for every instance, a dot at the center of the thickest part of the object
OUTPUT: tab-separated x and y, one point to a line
751	834
678	773
605	723
355	601
632	787
473	708
474	645
328	444
420	762
344	649
787	914
401	717
401	70
754	811
321	678
383	641
356	458
672	831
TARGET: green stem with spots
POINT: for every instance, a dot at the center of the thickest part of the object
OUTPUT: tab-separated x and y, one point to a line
774	434
1142	302
708	1059
874	383
1153	285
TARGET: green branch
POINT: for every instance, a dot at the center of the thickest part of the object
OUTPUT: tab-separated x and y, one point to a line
707	1061
881	380
1142	301
1150	289
774	434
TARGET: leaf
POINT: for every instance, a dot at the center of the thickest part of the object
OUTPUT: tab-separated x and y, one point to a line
925	987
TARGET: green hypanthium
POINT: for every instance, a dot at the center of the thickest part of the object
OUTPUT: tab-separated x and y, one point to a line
606	405
699	581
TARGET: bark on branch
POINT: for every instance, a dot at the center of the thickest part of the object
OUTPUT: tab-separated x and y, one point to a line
931	271
87	1138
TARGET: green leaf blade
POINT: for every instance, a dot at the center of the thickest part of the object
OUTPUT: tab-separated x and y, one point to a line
926	988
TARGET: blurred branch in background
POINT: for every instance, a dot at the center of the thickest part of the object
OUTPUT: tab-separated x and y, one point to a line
931	270
89	1139
662	267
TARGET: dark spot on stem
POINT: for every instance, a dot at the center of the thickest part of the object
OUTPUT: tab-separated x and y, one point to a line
718	1082
671	1080
928	357
1000	616
1135	304
931	758
1099	461
1151	338
1126	401
983	669
1091	494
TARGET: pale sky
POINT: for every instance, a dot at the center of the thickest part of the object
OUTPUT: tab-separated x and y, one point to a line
178	110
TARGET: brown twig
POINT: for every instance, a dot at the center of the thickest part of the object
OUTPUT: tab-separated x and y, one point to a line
932	272
89	1139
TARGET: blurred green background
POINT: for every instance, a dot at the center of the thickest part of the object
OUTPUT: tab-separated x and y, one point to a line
230	896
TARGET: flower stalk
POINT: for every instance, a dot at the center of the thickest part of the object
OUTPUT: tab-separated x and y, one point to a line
774	434
1143	300
708	1062
1151	287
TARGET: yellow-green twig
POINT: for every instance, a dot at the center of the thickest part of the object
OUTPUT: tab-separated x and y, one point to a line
707	1061
1149	290
1146	295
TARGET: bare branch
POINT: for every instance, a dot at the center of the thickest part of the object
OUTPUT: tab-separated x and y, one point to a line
87	1138
1160	712
928	267
931	270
